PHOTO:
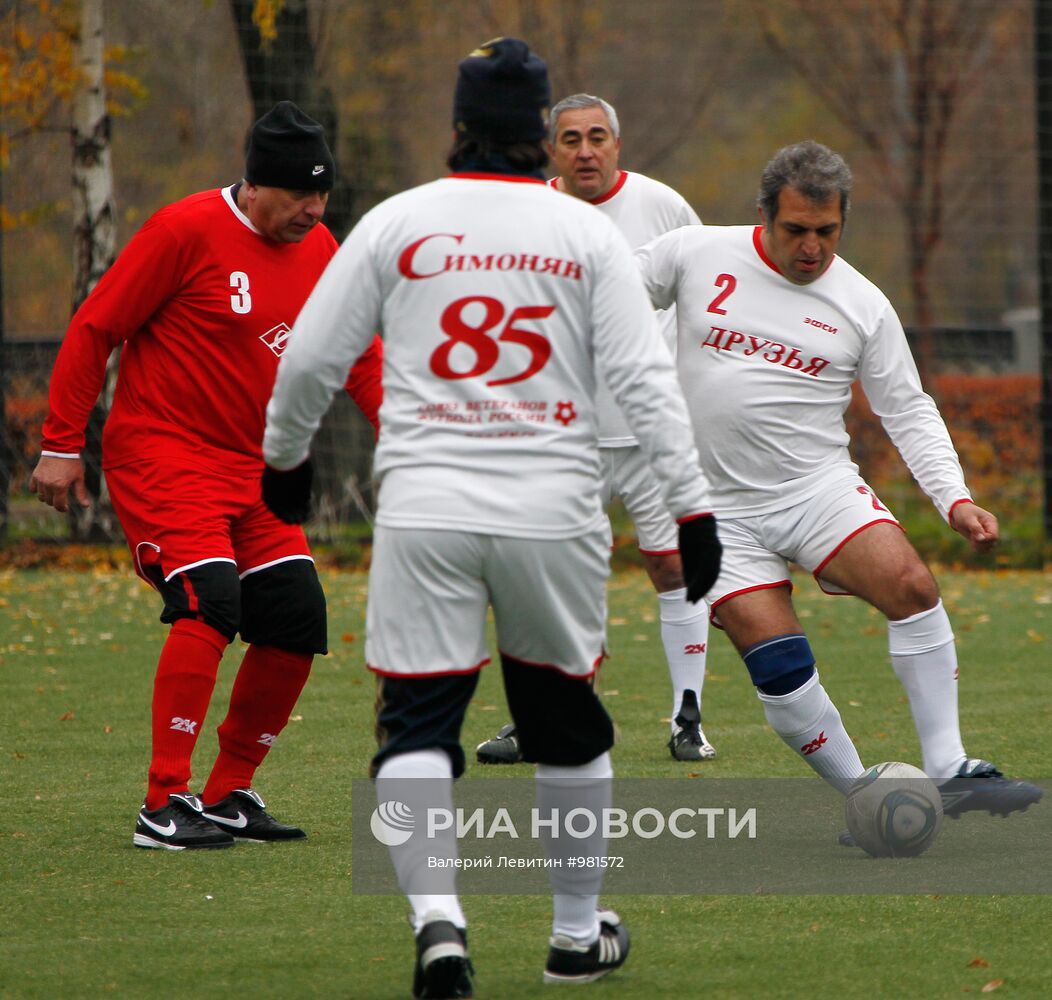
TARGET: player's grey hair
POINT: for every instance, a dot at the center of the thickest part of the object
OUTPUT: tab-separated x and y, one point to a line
576	101
813	169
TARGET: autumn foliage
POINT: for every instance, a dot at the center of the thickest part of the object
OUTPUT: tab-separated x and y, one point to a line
993	420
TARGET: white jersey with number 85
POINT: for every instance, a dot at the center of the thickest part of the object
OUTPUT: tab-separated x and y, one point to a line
497	299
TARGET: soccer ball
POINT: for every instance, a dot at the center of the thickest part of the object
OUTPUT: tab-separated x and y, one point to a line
894	811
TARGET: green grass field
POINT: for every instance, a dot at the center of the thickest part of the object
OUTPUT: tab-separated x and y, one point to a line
84	914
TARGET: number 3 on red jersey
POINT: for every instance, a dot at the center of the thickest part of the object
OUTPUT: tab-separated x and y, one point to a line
486	349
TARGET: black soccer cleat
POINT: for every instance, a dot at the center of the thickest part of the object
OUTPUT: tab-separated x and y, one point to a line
570	962
243	815
502	749
979	787
178	826
688	742
443	970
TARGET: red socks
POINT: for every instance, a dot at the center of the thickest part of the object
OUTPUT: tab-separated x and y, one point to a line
186	676
266	689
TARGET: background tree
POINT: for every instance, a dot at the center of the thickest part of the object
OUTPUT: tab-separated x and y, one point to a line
902	78
53	79
37	77
94	244
276	39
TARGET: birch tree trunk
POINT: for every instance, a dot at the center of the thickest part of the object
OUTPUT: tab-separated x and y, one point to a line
94	244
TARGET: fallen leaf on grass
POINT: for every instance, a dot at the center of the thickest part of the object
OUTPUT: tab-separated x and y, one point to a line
66	717
994	984
978	963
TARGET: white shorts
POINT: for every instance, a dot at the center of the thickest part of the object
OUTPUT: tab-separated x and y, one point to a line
627	474
757	550
429	591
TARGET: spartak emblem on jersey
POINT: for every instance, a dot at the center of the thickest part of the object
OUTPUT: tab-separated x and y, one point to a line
277	338
565	413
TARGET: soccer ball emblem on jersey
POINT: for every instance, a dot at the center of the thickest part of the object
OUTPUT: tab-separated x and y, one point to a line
894	811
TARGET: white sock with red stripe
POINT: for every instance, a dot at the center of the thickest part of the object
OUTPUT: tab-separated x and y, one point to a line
428	890
925	661
685	636
807	721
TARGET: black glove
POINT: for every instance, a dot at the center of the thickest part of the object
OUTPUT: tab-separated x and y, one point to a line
287	493
700	552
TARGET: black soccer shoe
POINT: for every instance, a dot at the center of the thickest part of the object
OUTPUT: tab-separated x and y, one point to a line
443	969
688	742
979	787
243	815
178	826
502	749
569	962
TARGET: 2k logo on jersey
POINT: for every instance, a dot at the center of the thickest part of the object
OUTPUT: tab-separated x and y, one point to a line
181	725
277	338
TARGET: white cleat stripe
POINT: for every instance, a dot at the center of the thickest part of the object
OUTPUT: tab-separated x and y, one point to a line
164	831
238	824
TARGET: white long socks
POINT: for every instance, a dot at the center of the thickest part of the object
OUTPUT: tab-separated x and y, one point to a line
576	890
410	858
925	661
809	723
685	636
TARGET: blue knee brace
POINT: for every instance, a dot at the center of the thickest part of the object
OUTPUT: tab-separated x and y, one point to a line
780	665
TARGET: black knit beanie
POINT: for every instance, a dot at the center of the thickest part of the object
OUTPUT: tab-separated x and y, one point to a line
286	149
502	93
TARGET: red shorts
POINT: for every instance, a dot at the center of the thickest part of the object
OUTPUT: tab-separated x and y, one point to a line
178	516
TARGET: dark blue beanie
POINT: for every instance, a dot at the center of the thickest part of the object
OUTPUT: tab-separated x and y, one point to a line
502	93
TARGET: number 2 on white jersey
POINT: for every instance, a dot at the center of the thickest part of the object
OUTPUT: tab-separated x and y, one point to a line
240	301
867	492
476	337
728	283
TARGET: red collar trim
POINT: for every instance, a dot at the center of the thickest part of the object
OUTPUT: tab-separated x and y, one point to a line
758	244
618	184
479	176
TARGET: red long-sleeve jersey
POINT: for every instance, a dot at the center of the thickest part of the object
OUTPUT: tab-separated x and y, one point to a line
203	304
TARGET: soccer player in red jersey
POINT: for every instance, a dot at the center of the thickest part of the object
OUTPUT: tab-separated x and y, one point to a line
202	299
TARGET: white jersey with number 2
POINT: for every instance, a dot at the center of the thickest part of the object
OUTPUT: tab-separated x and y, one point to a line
767	368
498	299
